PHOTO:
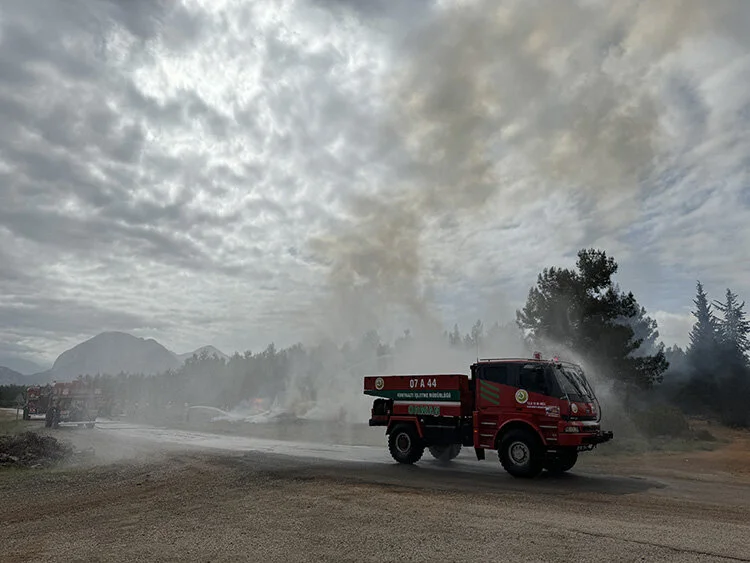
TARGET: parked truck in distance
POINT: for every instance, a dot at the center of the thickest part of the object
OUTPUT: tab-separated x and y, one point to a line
73	403
537	414
37	401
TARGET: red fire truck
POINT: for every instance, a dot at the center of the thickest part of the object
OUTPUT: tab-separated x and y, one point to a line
537	414
37	401
73	403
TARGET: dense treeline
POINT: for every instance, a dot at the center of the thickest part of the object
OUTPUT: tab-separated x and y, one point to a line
712	376
9	394
580	314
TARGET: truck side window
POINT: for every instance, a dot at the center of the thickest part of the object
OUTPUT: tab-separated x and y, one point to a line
533	380
497	374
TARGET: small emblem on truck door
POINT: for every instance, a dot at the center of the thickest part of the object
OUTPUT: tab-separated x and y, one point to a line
379	383
522	396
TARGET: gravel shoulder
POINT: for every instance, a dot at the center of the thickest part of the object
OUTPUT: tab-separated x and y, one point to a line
138	501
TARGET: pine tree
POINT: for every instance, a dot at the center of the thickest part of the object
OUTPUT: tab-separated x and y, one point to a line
734	328
477	336
454	339
704	336
584	311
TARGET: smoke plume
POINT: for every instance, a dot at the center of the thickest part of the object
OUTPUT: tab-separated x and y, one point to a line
493	106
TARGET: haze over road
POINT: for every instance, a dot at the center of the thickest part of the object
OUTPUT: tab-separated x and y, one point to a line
302	501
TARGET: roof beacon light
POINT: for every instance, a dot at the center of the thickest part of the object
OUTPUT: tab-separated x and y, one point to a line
537	355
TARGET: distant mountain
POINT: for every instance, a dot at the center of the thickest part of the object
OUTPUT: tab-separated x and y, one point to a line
210	350
106	353
11	377
20	365
112	353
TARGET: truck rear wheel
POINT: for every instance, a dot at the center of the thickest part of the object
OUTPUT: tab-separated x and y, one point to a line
521	453
563	461
405	445
445	453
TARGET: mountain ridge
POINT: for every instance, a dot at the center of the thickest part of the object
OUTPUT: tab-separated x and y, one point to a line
209	349
109	352
20	365
9	376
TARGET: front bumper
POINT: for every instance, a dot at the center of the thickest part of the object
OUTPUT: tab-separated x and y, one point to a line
600	437
584	440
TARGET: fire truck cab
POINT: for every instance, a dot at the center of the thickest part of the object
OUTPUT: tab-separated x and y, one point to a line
537	414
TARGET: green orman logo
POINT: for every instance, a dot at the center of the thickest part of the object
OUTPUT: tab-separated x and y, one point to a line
522	396
428	410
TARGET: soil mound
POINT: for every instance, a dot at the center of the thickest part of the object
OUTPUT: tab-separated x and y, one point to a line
29	449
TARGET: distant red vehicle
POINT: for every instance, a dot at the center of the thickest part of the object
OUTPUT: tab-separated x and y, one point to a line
73	403
37	401
537	414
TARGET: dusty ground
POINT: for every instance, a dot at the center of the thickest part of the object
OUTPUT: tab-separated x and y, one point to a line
172	498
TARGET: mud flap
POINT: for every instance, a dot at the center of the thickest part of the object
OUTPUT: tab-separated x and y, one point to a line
480	453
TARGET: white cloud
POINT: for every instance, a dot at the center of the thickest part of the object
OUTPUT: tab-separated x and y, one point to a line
188	172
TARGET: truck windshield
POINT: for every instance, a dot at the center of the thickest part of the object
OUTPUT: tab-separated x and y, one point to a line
573	386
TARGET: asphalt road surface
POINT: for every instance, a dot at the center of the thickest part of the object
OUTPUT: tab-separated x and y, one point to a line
160	494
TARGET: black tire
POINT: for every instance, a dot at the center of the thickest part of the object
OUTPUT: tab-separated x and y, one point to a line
445	454
521	453
563	461
405	444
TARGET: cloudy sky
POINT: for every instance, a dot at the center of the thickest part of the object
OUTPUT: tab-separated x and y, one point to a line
239	171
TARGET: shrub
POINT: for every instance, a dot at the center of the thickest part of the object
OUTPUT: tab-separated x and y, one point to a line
662	421
30	449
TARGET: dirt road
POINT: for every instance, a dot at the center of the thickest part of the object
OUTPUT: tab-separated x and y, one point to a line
166	495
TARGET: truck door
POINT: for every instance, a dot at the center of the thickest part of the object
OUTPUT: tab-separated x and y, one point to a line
538	396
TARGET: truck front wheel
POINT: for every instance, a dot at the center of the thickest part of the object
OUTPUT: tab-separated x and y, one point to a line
405	445
521	453
445	453
563	461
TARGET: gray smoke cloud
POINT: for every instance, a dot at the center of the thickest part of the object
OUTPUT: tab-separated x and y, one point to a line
493	106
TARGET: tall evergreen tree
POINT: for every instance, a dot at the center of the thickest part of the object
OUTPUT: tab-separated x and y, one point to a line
704	334
734	328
